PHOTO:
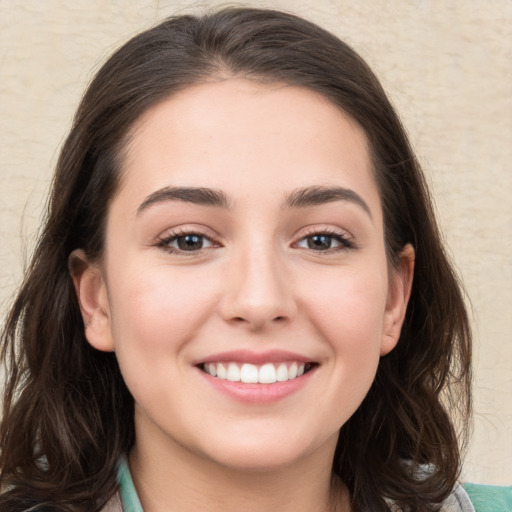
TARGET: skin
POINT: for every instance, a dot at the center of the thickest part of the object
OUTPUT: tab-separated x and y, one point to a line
256	286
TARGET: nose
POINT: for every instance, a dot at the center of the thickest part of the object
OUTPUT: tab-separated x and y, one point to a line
259	292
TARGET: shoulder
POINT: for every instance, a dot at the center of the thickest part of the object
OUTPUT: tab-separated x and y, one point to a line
479	498
114	505
490	498
458	501
469	497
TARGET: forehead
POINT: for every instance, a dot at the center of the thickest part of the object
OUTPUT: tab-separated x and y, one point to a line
253	140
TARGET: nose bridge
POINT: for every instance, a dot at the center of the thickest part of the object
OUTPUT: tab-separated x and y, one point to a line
259	291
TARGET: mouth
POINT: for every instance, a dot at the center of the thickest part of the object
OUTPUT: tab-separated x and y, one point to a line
248	373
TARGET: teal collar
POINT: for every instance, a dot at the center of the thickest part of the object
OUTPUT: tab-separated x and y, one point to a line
129	498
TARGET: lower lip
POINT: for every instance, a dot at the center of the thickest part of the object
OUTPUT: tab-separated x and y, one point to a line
258	393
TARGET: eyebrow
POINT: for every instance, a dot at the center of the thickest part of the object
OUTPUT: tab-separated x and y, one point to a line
299	198
196	195
314	196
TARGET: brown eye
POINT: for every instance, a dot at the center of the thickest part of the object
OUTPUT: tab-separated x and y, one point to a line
325	242
186	242
319	242
190	242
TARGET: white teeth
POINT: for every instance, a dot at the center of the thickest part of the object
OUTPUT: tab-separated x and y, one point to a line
292	371
233	372
252	374
267	374
249	373
222	373
282	373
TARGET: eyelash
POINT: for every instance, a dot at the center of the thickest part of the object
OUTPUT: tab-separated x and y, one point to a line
165	242
345	242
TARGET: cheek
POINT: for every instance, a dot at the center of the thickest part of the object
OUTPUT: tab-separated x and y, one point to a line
348	310
347	313
157	306
155	312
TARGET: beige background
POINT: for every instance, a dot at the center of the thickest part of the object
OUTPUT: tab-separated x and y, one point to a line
447	66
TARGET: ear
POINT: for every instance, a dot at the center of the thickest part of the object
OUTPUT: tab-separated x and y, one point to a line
399	291
92	297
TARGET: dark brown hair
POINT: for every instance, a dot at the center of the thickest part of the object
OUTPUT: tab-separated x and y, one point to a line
67	414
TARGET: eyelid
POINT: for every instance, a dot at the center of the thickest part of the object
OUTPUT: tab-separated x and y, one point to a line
168	236
346	239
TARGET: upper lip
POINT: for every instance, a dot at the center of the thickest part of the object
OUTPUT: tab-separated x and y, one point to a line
257	358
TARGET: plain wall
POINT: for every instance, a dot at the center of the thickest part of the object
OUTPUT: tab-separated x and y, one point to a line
447	67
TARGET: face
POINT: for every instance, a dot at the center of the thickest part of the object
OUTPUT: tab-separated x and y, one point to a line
244	285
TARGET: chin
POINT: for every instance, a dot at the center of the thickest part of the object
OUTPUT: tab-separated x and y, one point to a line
257	461
256	455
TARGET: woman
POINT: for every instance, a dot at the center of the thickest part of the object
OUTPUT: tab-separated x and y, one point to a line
222	305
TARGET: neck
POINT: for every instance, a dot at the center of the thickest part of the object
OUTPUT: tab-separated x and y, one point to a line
175	479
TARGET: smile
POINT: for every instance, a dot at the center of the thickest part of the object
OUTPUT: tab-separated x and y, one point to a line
248	373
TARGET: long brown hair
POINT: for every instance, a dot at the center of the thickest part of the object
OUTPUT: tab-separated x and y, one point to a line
67	415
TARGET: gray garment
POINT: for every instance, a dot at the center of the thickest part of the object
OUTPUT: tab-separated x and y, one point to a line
458	501
114	504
